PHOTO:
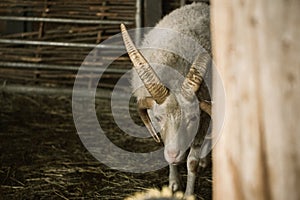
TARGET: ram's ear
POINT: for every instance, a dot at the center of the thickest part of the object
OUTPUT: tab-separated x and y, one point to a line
146	103
205	106
143	105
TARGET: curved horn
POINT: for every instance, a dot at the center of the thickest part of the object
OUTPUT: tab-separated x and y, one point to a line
195	76
151	81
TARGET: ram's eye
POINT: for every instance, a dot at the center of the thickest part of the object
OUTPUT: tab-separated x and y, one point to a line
158	119
194	118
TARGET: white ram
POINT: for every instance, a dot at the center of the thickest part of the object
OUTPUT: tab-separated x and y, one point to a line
175	111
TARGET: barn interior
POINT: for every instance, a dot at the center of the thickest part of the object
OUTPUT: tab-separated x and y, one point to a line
43	45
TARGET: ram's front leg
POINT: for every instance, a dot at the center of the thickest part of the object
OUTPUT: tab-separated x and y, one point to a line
197	157
193	163
192	167
174	178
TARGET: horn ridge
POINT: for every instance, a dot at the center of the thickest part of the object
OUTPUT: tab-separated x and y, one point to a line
146	73
194	78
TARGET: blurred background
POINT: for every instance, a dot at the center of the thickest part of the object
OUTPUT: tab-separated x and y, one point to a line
42	45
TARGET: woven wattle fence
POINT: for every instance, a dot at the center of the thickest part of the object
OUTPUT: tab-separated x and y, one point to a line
46	41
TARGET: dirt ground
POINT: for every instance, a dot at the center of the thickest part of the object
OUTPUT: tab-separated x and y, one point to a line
42	157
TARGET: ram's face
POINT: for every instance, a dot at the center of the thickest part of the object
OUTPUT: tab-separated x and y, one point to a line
177	120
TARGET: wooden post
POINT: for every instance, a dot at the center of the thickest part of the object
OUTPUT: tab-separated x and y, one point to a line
257	53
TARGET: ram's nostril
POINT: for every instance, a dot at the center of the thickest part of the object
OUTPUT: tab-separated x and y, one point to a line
173	153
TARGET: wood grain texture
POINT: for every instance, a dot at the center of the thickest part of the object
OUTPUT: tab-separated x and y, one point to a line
256	49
